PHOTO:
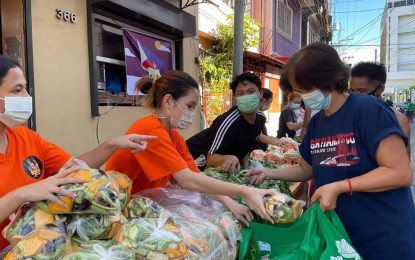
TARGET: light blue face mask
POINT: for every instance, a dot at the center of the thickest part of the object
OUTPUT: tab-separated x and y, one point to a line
295	106
316	100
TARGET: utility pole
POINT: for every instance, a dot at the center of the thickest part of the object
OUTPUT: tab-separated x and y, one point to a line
238	38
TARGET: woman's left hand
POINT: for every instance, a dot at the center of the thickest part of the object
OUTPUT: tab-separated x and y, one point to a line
241	212
132	141
327	195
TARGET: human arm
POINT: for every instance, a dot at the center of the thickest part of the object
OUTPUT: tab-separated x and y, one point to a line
41	190
294	173
294	126
225	163
205	184
394	171
98	156
241	212
269	140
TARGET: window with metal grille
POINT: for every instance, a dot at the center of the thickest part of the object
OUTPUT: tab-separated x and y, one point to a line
284	19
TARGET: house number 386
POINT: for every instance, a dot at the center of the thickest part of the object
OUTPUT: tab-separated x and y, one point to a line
66	16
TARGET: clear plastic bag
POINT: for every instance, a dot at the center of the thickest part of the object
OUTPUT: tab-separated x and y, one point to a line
46	242
98	252
125	184
282	208
142	207
150	237
98	193
95	226
27	219
192	212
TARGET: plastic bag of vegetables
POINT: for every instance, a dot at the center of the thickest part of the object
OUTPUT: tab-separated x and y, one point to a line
152	237
97	194
201	237
142	207
46	242
125	184
27	219
95	226
97	252
78	244
282	208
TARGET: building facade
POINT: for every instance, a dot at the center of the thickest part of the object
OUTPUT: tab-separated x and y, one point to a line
397	44
68	46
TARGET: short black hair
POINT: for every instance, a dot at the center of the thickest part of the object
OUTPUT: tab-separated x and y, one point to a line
267	94
246	76
371	70
316	65
6	64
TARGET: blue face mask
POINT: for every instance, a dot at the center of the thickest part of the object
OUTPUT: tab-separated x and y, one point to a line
295	106
316	100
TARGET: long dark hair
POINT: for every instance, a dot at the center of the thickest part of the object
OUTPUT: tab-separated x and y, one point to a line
317	65
5	65
176	83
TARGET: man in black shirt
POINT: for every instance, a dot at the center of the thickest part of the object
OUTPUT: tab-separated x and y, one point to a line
232	135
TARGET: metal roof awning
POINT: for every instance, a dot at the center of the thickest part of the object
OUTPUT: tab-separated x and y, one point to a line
259	62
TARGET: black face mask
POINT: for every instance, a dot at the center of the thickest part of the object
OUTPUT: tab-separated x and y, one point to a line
373	92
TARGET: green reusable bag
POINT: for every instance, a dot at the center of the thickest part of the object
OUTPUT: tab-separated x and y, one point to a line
315	235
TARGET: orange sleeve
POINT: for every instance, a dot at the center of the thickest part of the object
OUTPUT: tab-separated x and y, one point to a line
54	156
161	158
183	150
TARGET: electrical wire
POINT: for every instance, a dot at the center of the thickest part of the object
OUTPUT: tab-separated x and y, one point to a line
99	116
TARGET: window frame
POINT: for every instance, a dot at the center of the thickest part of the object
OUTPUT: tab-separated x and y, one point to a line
279	11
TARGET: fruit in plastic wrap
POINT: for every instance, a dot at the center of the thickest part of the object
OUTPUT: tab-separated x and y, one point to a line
282	208
142	207
125	184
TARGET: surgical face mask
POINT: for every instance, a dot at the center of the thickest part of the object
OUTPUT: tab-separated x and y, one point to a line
316	100
17	110
295	106
373	92
185	121
248	103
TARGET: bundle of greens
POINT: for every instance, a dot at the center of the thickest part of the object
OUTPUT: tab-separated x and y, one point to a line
282	208
28	218
97	194
150	237
238	178
142	207
97	252
46	242
125	184
95	226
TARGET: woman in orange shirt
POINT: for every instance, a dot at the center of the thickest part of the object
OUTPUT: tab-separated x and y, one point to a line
173	98
29	163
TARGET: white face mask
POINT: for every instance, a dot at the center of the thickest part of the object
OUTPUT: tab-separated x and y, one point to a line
185	121
17	110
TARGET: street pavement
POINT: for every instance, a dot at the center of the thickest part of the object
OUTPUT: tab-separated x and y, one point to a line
412	143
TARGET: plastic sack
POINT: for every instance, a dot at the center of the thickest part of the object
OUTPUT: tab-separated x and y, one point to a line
152	237
97	252
282	208
202	238
125	184
95	226
98	194
27	219
78	244
46	242
315	235
142	207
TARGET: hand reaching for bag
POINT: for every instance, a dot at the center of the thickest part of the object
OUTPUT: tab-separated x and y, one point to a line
48	188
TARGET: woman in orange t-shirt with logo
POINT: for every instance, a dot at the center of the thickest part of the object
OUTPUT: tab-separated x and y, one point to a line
28	163
172	98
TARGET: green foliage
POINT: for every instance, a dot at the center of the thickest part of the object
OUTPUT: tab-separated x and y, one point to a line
216	69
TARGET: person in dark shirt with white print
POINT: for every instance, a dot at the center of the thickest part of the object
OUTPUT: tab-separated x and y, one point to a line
227	142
